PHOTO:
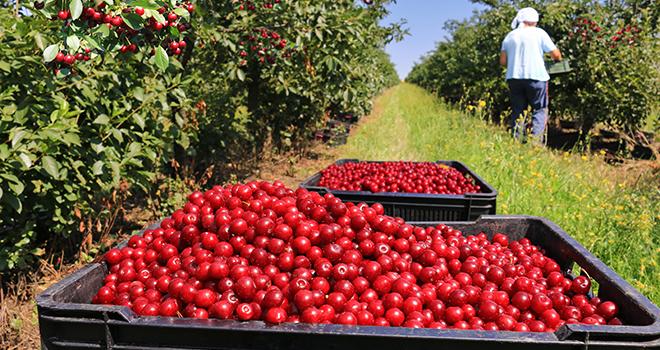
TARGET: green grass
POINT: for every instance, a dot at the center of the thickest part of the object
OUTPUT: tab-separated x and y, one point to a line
612	214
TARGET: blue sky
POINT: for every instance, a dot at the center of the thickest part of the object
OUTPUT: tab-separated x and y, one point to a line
425	21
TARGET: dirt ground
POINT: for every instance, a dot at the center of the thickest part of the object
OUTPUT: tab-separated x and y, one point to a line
19	328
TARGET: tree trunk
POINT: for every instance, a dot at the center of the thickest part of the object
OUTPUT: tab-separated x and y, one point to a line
257	125
587	124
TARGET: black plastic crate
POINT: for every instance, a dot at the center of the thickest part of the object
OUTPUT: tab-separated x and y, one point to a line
67	320
334	124
420	206
331	138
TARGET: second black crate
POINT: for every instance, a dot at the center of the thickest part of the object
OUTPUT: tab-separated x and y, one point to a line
420	206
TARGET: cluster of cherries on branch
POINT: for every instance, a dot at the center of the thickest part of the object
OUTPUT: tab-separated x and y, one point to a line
261	251
587	29
264	46
251	5
126	29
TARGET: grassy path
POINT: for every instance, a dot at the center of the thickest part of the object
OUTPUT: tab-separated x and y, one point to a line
596	203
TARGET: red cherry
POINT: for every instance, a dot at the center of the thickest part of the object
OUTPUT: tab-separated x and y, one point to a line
454	314
223	310
489	310
608	310
347	318
551	318
395	317
59	57
303	299
581	285
113	256
541	303
205	298
245	312
69	59
169	308
275	315
117	21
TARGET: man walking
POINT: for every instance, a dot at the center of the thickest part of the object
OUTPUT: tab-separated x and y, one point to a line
522	54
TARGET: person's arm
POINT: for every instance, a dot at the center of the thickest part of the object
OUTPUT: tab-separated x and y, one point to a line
555	55
503	58
550	47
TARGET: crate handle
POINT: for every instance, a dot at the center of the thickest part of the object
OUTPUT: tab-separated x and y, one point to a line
108	342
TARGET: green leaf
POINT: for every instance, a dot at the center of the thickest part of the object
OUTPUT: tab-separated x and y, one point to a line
104	31
156	15
10	177
101	119
76	8
18	136
116	175
116	133
73	43
39	40
161	59
138	93
4	151
231	45
145	4
8	109
179	120
92	42
50	52
184	141
17	187
71	139
181	12
5	66
25	159
240	74
139	120
97	147
133	20
51	166
97	168
14	202
134	148
1	193
174	32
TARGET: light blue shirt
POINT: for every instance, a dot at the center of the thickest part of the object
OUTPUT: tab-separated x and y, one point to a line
524	49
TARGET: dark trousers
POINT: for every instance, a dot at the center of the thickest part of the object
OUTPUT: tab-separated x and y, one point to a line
527	92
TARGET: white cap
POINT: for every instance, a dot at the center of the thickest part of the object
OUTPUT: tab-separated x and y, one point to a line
527	14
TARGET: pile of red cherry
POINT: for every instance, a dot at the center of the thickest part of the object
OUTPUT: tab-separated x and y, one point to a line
261	251
411	177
